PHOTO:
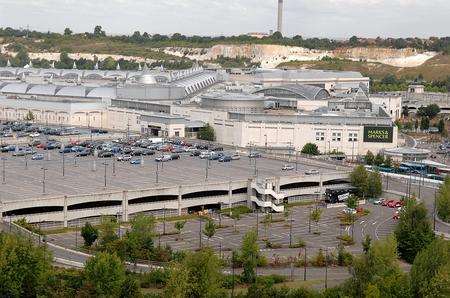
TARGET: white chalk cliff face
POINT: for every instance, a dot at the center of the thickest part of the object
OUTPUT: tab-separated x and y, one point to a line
272	55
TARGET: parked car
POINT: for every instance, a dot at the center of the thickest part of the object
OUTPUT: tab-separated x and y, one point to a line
38	156
254	155
217	149
349	211
105	154
396	215
377	201
312	172
287	167
225	158
174	156
195	153
85	152
136	161
235	156
163	158
125	157
392	203
65	150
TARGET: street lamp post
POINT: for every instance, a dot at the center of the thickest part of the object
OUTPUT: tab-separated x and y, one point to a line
63	164
105	164
3	170
157	173
43	180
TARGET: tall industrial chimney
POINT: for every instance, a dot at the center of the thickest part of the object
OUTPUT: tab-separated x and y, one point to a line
280	16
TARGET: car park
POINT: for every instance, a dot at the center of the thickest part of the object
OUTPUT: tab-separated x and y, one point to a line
163	158
105	154
148	152
136	161
287	167
65	150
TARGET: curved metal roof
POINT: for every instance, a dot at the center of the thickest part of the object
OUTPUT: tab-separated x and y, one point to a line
102	92
19	88
72	91
304	91
42	90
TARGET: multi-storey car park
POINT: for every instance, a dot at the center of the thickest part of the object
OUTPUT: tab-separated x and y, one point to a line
335	112
91	187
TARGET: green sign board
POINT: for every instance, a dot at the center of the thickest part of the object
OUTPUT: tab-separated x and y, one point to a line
378	134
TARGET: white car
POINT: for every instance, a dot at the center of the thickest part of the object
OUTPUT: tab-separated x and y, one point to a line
126	157
349	211
287	168
34	134
236	156
312	172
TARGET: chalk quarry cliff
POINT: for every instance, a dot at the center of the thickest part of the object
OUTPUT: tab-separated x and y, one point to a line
272	55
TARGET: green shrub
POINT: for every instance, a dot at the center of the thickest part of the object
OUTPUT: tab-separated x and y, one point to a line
154	279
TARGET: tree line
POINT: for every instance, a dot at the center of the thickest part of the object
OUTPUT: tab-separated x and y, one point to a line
158	40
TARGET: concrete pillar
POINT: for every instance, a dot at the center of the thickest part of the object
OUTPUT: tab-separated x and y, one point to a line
1	211
230	195
65	211
179	200
249	192
320	188
277	185
125	206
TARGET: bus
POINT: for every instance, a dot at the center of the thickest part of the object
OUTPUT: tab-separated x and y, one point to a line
338	195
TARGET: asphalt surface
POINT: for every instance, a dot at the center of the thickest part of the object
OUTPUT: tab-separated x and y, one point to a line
84	175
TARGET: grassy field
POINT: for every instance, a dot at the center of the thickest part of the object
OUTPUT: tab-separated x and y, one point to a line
437	68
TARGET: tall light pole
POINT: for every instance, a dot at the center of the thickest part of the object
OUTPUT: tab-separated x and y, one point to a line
43	179
3	170
105	164
63	164
157	172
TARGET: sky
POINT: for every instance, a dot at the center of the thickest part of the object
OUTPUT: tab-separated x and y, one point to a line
309	18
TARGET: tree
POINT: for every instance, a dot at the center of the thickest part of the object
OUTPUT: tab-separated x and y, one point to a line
429	111
22	58
388	161
374	185
352	202
108	235
310	149
359	179
29	116
24	268
210	229
379	159
378	267
424	123
207	133
277	35
443	201
249	256
139	240
199	275
366	244
98	31
105	275
427	269
179	225
353	41
316	214
89	234
67	32
414	231
369	158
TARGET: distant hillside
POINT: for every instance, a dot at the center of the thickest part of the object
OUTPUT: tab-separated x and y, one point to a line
436	68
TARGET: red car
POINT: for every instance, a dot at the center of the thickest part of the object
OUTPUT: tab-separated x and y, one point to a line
399	204
384	202
393	204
